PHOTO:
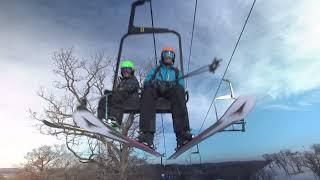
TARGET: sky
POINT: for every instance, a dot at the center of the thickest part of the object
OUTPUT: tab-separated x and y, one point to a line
277	60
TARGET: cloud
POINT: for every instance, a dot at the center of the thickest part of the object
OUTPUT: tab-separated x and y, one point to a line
303	102
278	55
286	62
282	107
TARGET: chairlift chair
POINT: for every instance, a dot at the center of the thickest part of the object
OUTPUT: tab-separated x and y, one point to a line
132	104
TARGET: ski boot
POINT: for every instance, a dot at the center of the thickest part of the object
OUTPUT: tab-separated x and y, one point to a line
183	138
113	124
146	138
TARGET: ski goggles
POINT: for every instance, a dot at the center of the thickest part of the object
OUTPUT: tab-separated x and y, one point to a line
167	54
126	70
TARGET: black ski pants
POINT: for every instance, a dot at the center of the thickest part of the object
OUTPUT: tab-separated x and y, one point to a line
114	109
176	96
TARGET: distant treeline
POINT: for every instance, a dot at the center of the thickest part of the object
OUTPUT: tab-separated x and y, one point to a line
55	163
292	163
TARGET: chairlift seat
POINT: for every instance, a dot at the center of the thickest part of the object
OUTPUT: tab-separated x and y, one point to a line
132	105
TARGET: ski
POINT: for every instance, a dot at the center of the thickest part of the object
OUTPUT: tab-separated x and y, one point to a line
108	132
64	126
86	120
237	111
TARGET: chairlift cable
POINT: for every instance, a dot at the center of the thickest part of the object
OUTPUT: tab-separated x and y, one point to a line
190	49
154	39
155	55
234	49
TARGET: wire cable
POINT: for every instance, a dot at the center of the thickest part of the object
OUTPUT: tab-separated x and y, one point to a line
234	49
191	41
154	39
155	55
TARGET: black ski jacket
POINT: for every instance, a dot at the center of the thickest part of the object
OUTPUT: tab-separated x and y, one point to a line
129	85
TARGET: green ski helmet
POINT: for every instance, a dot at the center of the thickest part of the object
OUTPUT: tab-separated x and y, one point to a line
127	66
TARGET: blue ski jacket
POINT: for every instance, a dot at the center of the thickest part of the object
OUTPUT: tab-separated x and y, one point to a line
167	74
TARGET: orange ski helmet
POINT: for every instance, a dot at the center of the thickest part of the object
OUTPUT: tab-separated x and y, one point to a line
168	52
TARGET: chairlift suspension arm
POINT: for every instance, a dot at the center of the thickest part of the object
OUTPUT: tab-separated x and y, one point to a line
133	30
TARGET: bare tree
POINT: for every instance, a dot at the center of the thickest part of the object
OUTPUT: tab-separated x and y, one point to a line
294	160
84	80
283	160
278	160
311	159
40	160
266	173
52	162
65	163
269	158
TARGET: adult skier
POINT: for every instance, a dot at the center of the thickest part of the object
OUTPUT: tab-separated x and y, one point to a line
163	81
